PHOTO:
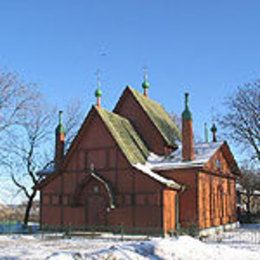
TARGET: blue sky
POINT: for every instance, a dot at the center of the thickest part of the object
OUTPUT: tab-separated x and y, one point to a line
205	47
202	47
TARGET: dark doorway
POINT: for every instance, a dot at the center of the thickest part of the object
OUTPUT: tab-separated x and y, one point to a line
96	210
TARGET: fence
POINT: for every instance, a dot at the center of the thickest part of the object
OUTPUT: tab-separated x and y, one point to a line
55	231
16	227
94	231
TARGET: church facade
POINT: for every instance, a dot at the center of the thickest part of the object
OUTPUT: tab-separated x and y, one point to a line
134	167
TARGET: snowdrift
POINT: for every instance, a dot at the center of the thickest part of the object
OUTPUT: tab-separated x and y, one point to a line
184	247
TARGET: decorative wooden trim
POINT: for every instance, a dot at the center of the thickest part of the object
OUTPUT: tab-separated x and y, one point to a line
61	200
197	192
211	200
96	148
101	179
107	154
116	170
221	175
185	170
99	169
73	146
161	206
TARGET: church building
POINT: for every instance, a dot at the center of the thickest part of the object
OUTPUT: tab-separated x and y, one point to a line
133	167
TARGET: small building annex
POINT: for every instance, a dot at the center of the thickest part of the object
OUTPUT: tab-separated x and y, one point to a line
133	167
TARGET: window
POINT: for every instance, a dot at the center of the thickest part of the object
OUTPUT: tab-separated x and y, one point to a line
55	200
128	200
218	164
46	199
65	200
96	189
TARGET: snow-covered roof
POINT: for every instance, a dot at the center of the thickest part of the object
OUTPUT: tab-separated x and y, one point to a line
242	190
146	170
203	152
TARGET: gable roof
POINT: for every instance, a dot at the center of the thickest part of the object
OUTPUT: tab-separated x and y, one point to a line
157	114
203	153
121	130
126	137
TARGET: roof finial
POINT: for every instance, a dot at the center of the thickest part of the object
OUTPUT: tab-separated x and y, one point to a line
186	114
98	92
145	83
206	133
98	79
214	129
60	116
186	100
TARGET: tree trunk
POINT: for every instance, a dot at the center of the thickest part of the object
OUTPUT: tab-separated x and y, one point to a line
28	208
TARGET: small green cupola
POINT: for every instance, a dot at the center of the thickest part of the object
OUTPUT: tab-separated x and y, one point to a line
98	93
60	128
145	84
186	114
214	129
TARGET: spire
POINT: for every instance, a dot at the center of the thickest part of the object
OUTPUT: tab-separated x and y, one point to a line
214	129
206	133
98	92
187	133
145	84
59	142
186	114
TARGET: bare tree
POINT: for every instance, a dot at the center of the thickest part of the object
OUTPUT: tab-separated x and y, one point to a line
30	147
27	151
73	118
15	99
176	119
250	183
242	120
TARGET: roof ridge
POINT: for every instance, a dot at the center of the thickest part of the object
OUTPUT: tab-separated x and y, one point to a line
113	113
154	115
150	99
125	136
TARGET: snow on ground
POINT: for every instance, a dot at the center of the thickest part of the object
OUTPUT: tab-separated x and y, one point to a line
243	243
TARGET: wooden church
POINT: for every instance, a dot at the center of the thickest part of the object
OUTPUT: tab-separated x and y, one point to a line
133	167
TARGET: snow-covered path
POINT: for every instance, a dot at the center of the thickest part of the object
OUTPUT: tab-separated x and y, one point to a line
243	243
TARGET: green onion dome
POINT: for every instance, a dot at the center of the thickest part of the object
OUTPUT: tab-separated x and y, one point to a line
186	114
60	128
213	128
98	93
145	84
